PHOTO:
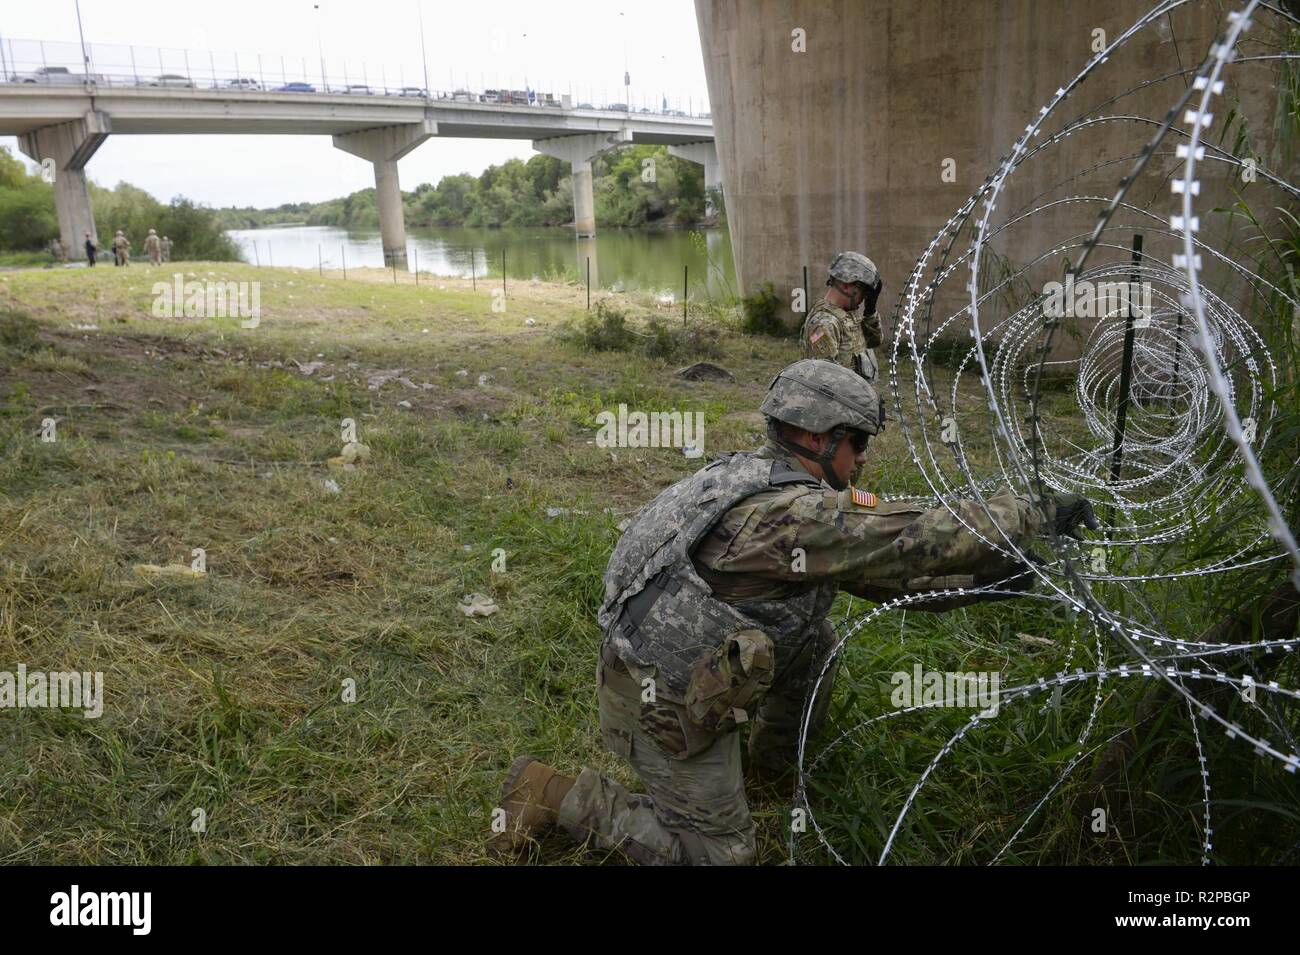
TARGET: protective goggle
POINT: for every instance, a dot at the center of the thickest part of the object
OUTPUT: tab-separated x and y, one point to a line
856	438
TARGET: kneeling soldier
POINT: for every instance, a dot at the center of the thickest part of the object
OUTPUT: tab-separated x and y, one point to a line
714	615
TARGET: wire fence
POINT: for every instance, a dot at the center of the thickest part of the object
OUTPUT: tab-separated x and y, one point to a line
60	63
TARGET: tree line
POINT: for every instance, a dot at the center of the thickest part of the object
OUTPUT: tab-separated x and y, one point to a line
28	221
634	186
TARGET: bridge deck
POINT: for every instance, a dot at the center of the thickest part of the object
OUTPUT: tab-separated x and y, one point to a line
25	107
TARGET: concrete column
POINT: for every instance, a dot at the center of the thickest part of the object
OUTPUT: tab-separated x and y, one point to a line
842	146
579	151
383	146
706	155
392	217
70	145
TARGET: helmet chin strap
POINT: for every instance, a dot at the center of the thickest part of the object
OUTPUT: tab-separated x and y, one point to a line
823	459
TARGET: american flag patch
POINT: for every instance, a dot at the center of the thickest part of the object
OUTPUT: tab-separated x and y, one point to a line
864	498
812	339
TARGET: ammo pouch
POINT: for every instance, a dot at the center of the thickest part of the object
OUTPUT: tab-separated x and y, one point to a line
726	684
865	364
702	653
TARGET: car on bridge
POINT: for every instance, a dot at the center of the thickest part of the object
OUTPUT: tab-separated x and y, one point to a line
359	89
172	80
417	91
295	88
56	76
241	83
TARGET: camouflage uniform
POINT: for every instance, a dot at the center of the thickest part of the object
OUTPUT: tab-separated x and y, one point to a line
153	245
731	532
837	335
166	249
121	249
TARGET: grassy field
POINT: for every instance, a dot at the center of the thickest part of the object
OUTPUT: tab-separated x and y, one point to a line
225	693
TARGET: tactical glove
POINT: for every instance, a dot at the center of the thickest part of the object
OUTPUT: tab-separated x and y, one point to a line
873	293
1068	511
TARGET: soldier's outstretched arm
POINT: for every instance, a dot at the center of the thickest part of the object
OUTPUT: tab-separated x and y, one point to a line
871	548
855	541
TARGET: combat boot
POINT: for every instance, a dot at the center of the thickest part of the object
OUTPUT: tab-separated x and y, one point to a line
530	795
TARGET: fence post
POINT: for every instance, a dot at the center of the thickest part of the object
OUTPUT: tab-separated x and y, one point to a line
686	289
343	253
589	283
503	272
473	254
416	251
1125	376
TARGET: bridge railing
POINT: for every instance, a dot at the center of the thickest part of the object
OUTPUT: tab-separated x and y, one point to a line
59	63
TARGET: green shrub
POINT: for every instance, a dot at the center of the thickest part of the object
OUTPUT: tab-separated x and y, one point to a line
758	313
606	329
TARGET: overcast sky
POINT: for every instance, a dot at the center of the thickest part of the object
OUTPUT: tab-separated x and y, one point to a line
556	46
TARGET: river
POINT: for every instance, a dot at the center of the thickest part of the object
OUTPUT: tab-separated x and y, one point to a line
620	259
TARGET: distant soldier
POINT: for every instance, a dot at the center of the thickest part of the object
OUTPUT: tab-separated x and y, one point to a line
121	249
56	250
153	245
91	249
715	616
166	249
832	330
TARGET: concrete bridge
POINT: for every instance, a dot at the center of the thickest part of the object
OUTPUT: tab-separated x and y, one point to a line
67	123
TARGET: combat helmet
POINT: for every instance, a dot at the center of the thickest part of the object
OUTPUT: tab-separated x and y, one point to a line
853	267
820	396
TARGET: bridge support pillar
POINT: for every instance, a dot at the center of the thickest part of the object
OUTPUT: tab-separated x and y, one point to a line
706	155
383	146
580	151
70	145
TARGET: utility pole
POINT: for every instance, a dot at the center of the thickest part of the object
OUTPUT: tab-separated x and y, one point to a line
320	48
419	9
627	77
85	59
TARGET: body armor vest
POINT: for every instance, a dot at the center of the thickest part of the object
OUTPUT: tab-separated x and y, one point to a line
853	352
660	615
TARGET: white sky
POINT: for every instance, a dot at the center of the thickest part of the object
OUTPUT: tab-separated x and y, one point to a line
554	45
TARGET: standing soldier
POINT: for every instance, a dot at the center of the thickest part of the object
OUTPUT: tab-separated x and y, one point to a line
91	249
166	249
121	249
832	331
56	250
715	610
153	246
